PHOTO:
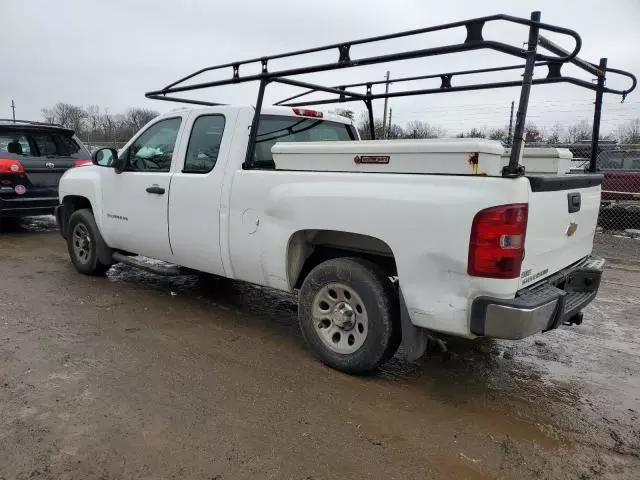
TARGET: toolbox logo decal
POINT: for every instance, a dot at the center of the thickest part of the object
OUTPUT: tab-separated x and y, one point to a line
379	159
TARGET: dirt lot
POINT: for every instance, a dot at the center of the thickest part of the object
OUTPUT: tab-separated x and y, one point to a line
139	376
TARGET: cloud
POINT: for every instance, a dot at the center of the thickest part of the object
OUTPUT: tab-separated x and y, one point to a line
110	53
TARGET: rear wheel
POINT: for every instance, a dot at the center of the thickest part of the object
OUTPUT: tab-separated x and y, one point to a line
82	242
348	314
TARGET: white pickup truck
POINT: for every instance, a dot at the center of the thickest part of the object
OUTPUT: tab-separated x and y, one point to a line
385	240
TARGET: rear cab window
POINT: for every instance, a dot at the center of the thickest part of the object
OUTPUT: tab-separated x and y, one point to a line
276	128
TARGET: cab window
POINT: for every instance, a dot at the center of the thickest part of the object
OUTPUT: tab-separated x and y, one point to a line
204	144
153	150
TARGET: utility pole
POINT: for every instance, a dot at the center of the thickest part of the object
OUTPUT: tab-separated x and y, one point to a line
13	107
389	129
510	125
386	102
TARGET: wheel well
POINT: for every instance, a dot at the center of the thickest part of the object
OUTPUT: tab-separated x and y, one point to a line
77	202
309	248
70	204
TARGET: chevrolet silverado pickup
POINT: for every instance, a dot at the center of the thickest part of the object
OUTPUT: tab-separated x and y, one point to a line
475	254
386	242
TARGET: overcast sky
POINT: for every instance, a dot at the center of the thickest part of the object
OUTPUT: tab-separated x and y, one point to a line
110	53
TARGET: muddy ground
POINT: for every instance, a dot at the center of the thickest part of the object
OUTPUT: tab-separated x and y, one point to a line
139	376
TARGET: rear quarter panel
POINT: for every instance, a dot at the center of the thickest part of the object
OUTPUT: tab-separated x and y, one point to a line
424	219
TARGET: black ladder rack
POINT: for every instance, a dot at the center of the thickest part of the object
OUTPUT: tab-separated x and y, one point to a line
474	41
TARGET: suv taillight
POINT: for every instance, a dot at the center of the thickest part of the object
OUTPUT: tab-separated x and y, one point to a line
81	163
10	165
496	246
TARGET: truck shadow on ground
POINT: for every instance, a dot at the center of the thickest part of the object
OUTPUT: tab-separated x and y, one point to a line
473	373
540	389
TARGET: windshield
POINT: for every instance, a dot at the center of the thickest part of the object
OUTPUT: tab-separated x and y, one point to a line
273	129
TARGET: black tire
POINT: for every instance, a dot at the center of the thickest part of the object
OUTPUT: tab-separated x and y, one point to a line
379	299
88	262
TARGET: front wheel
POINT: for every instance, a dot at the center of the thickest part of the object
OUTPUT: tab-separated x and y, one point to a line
82	242
348	314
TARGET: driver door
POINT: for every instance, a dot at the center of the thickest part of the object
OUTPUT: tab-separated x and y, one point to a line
135	201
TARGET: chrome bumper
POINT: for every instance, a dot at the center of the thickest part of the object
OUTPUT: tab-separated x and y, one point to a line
557	300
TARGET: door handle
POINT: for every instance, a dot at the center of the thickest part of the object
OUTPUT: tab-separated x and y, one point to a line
574	201
155	189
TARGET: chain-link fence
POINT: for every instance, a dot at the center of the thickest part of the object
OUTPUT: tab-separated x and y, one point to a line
620	165
619	221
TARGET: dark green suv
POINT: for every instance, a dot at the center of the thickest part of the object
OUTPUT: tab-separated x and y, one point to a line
33	157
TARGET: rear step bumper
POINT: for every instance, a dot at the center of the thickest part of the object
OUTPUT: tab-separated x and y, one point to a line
558	300
27	206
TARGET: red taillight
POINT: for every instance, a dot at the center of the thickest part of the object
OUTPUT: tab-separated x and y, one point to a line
80	163
304	112
10	165
496	246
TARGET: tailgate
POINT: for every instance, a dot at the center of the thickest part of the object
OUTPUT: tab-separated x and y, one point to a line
45	172
563	214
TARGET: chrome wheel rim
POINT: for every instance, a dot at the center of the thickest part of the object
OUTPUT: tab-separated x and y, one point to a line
340	318
82	243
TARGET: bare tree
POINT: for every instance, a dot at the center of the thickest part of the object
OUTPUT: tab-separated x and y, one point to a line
419	129
532	133
365	132
48	115
92	124
579	131
555	135
93	121
500	134
136	118
93	116
395	131
475	133
630	132
72	116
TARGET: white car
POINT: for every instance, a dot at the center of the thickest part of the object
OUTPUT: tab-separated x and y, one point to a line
474	253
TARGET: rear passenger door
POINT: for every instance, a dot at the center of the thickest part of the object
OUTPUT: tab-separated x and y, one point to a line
197	203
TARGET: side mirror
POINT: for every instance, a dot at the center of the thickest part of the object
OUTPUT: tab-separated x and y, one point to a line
119	163
105	157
